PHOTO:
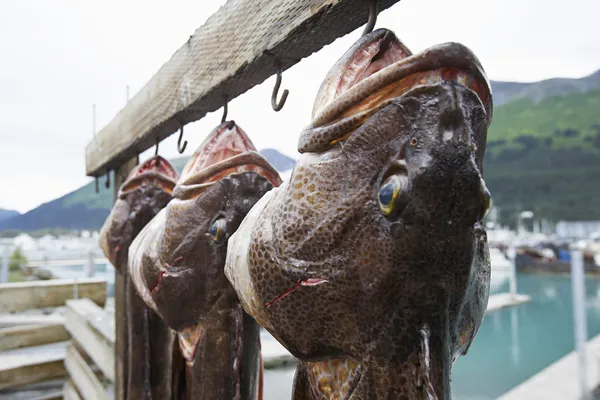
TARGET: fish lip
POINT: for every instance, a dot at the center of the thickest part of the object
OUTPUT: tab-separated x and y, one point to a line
338	71
250	161
446	55
226	150
149	171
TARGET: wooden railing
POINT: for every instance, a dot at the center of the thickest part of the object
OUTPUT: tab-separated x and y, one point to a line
34	343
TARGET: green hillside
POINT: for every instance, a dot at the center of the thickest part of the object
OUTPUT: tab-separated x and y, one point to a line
545	157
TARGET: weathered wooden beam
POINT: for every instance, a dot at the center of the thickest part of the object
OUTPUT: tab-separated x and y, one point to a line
32	364
22	296
31	335
70	392
80	322
84	378
121	338
10	320
238	47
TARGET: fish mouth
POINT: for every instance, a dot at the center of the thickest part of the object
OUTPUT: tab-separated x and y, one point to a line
155	170
376	71
226	151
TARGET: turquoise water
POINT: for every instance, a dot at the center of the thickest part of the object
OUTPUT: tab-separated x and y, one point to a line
515	343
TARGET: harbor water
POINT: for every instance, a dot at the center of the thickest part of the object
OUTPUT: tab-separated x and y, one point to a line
513	343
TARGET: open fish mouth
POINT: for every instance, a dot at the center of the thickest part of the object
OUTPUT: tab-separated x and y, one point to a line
155	170
226	151
377	70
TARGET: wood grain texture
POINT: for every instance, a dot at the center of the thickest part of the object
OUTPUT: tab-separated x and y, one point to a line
70	392
236	49
121	347
31	365
84	378
79	321
31	335
21	296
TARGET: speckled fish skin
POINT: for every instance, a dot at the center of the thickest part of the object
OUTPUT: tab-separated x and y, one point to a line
177	265
150	345
377	306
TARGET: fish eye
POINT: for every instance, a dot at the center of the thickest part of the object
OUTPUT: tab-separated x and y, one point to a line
390	193
218	229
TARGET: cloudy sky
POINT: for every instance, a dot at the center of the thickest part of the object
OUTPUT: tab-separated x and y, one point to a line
59	57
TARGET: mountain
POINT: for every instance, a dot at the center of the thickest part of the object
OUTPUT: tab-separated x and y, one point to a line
86	209
6	214
543	155
505	92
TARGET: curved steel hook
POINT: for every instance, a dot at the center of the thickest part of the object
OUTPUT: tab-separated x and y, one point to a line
372	17
156	148
224	117
278	105
107	183
180	148
97	188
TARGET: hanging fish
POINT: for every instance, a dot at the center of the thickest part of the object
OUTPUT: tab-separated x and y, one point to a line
177	265
150	343
371	265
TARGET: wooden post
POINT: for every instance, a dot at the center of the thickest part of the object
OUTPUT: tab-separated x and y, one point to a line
121	337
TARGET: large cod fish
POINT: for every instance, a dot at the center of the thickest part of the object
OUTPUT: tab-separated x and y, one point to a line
150	343
177	264
371	264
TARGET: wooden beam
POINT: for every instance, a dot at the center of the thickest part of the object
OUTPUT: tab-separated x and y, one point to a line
236	49
84	378
121	339
23	296
70	392
80	322
11	320
31	335
32	364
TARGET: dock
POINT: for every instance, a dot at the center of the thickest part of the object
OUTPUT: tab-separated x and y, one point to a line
502	300
560	380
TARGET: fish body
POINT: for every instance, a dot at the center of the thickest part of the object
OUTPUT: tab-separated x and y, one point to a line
150	343
177	265
371	265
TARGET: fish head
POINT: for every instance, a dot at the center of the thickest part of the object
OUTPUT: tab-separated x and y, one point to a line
147	190
378	233
180	270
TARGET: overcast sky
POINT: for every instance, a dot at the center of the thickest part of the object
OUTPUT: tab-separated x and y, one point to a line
59	57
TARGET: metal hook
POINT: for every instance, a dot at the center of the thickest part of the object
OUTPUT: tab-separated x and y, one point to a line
180	148
107	183
156	148
372	17
224	117
277	106
97	188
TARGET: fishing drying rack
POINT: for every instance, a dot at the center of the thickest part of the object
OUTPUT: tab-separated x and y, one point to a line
240	46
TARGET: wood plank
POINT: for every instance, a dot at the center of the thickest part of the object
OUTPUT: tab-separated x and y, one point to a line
121	346
31	335
70	392
560	380
22	296
236	49
83	377
32	364
10	320
79	321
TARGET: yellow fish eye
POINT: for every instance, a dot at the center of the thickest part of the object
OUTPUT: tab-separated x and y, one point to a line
389	193
218	229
